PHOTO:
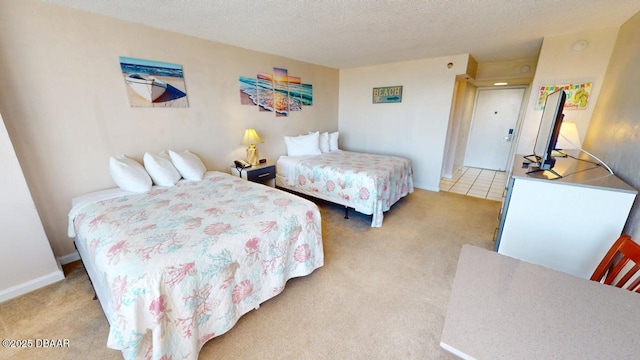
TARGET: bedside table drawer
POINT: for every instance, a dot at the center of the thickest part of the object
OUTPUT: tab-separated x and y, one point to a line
262	174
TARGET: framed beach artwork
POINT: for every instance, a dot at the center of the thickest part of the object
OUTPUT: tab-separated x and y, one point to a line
278	92
248	90
265	92
281	91
151	83
306	94
295	89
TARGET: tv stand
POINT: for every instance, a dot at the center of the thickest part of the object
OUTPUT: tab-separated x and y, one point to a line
558	176
546	166
567	224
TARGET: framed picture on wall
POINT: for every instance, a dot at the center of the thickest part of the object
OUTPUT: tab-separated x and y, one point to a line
151	83
278	92
577	95
387	94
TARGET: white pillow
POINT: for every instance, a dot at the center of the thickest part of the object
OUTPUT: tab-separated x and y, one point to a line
333	141
129	175
161	170
188	165
302	145
324	142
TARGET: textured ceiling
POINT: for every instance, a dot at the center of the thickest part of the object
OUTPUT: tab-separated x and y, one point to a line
351	33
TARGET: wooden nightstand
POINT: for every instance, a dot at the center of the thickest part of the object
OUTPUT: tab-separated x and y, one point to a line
263	173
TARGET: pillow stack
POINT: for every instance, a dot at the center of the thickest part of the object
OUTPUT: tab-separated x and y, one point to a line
303	145
162	170
333	141
328	141
324	142
315	143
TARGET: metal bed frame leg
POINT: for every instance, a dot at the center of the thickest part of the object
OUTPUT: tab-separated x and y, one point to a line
95	294
346	212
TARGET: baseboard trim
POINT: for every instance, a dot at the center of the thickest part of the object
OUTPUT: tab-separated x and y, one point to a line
31	285
426	187
69	258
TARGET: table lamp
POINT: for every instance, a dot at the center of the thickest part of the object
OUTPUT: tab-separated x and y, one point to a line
569	138
251	138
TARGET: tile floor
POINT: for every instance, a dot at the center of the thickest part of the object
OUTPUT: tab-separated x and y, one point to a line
482	183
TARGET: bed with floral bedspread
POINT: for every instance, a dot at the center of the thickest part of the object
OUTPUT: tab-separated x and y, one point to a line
368	183
179	265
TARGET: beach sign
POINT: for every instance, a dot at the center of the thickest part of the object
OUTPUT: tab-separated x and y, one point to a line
387	94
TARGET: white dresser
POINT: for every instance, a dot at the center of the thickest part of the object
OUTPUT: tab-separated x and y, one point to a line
567	224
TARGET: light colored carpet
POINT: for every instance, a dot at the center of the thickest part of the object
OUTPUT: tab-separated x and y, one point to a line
382	293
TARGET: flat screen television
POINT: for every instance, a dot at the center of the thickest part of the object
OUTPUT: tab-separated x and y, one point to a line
548	132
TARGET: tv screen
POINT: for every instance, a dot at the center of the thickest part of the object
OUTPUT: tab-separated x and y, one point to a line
549	129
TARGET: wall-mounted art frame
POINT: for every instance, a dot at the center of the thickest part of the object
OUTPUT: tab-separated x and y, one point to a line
387	94
577	95
151	83
278	92
265	92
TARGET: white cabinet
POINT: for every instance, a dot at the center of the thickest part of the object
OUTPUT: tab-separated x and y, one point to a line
567	224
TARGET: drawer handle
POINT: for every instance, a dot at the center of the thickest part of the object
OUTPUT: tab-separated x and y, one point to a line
265	174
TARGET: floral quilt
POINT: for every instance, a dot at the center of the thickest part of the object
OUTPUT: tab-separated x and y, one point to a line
182	264
369	183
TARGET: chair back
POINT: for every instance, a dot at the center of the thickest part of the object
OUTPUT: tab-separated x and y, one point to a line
620	265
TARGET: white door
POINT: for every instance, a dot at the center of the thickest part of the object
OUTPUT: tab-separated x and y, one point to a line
492	128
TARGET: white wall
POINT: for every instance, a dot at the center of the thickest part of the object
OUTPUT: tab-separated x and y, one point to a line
459	126
614	133
557	64
452	130
25	254
465	126
66	109
415	128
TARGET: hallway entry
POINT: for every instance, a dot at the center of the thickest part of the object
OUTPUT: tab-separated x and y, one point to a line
482	183
493	128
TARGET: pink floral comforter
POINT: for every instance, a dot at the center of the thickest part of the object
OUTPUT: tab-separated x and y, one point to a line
367	182
183	264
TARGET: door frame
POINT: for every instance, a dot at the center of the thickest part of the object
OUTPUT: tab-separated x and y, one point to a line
519	121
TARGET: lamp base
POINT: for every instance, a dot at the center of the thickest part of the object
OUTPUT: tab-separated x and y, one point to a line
559	153
252	155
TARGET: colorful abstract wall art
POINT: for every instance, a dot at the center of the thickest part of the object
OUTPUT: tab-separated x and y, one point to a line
278	92
151	83
577	95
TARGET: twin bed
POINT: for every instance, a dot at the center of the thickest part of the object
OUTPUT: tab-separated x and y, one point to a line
176	266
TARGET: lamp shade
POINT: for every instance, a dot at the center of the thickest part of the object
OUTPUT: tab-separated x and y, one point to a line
251	137
569	137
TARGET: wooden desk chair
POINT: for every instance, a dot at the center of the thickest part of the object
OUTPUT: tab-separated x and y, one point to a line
620	265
